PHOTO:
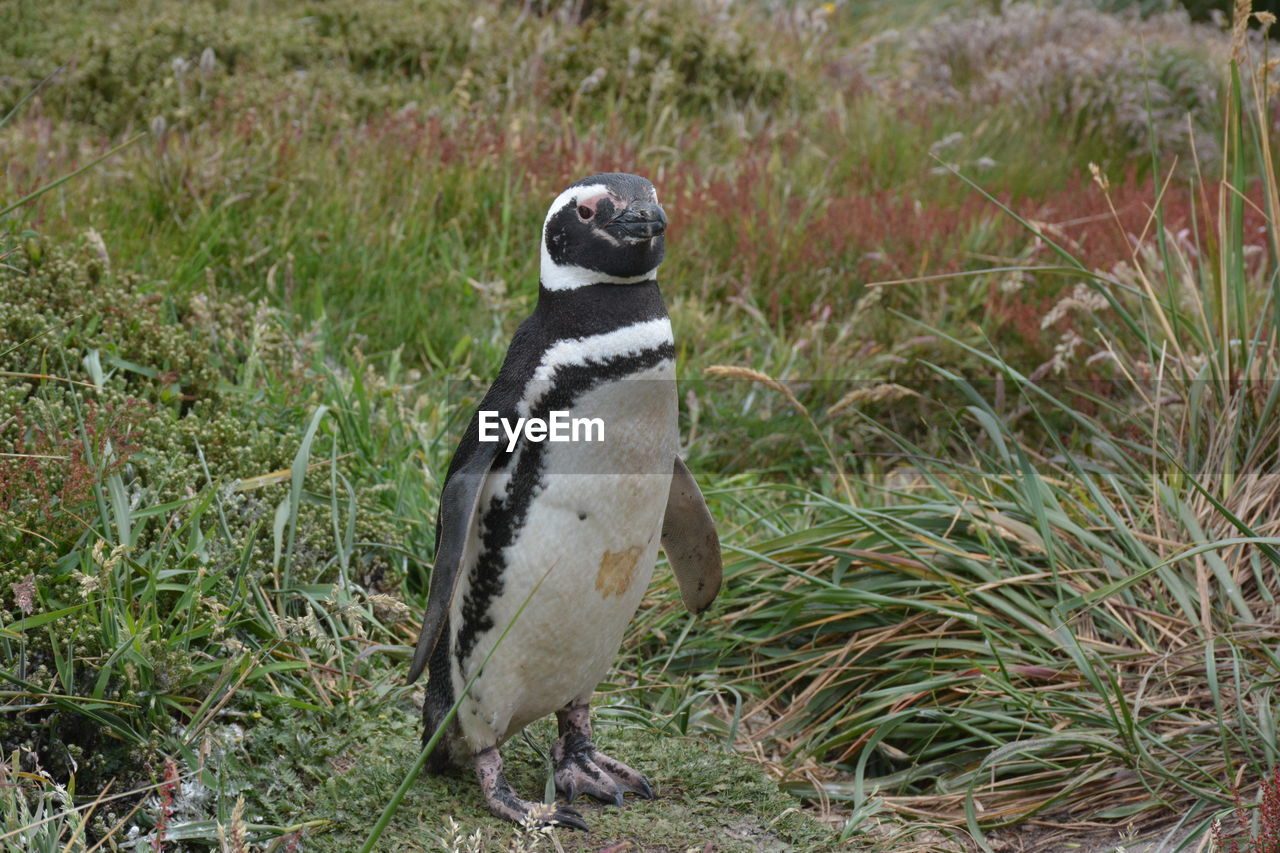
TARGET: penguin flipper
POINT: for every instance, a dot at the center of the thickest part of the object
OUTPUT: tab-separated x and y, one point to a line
458	503
690	541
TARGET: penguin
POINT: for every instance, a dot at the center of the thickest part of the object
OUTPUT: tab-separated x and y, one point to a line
553	543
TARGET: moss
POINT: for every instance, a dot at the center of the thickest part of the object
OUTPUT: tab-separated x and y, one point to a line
348	771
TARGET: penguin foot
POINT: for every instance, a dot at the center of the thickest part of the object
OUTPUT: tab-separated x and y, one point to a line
504	803
583	769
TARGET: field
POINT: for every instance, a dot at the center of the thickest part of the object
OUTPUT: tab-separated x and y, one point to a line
976	318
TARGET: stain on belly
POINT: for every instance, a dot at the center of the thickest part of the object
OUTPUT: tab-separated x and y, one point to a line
617	568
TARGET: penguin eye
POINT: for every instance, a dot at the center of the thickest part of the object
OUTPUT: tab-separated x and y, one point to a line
585	212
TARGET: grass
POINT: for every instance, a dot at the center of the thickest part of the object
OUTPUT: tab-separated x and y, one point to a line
708	794
1000	529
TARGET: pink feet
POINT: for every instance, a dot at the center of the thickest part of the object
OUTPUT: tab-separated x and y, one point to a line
583	769
504	803
580	769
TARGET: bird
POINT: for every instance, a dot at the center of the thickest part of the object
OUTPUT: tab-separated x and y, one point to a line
545	548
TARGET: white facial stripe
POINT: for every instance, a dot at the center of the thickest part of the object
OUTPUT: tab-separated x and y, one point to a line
592	200
629	340
571	195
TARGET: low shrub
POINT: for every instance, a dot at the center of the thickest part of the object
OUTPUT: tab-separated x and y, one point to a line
173	553
182	64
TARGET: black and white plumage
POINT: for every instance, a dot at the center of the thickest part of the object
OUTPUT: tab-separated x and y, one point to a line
568	530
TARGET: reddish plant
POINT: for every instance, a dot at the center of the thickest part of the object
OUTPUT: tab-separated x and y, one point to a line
49	472
1267	839
1100	239
167	792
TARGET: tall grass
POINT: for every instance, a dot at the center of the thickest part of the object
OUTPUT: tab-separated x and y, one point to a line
1068	612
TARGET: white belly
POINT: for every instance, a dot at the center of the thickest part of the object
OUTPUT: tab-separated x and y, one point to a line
582	560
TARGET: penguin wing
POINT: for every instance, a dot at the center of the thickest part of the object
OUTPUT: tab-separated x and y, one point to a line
464	483
458	503
689	538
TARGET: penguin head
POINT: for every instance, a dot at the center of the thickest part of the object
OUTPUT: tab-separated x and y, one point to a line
605	228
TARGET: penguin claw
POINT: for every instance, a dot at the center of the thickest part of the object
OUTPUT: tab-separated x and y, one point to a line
519	811
568	817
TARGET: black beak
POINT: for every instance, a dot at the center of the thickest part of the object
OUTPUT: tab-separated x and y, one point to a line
640	221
